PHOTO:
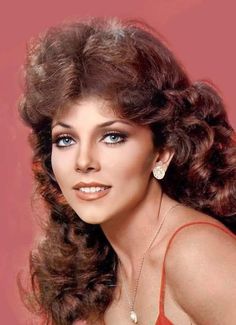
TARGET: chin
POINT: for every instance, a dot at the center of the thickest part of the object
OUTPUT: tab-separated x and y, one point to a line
90	219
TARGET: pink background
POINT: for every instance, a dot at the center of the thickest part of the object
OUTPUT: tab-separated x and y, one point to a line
202	35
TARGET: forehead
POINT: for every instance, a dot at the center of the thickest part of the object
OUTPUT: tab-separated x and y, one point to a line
92	113
91	107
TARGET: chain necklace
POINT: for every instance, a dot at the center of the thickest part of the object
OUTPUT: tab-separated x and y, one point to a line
133	314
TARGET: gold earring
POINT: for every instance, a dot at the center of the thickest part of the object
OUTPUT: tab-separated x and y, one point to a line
159	171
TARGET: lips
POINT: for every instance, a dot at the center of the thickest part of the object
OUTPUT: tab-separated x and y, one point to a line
91	184
92	195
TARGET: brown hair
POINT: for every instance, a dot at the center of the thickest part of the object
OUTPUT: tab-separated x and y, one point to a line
73	271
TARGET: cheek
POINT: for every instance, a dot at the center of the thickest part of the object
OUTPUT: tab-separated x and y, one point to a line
60	167
134	164
55	165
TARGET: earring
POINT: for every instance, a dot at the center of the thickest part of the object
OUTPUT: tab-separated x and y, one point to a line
159	171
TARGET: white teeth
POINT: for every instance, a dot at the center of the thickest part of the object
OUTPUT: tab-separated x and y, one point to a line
91	189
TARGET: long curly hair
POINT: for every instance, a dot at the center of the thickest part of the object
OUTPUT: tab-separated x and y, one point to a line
74	269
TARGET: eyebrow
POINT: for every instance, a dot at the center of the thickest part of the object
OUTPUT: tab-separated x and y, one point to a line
98	126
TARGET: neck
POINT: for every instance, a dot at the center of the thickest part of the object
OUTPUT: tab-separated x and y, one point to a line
131	235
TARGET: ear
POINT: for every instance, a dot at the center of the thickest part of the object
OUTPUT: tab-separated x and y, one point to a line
164	158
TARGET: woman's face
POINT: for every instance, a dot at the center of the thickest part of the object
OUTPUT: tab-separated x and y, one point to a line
119	155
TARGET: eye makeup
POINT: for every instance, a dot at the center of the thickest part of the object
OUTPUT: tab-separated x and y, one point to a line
58	138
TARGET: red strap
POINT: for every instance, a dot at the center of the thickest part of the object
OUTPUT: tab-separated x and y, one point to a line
162	290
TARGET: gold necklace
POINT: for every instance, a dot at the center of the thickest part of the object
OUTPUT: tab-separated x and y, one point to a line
133	314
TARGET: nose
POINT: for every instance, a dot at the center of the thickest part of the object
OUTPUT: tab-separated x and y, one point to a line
86	158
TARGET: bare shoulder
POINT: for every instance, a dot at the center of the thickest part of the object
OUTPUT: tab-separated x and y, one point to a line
207	241
201	271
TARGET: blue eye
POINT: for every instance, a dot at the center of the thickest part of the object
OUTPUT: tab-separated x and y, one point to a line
113	136
63	141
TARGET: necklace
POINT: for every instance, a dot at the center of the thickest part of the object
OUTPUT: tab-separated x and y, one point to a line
133	314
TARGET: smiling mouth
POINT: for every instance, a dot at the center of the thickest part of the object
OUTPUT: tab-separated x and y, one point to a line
93	189
89	196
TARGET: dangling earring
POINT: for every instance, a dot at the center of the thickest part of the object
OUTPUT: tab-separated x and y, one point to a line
159	171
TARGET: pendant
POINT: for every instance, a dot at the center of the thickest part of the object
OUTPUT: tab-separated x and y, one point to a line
133	316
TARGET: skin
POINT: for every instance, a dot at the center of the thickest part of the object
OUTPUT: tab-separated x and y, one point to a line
201	287
130	209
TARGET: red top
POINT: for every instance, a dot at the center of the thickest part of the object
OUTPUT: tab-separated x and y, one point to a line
162	319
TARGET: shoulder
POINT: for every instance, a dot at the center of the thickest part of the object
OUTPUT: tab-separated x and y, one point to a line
201	272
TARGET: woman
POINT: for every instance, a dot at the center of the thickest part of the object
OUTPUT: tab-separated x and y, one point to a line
136	165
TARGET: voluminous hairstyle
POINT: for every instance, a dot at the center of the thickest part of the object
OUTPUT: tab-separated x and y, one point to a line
74	269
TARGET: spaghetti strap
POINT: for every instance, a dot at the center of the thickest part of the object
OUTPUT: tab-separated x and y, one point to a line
163	275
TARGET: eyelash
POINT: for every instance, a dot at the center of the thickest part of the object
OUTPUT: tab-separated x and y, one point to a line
58	138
